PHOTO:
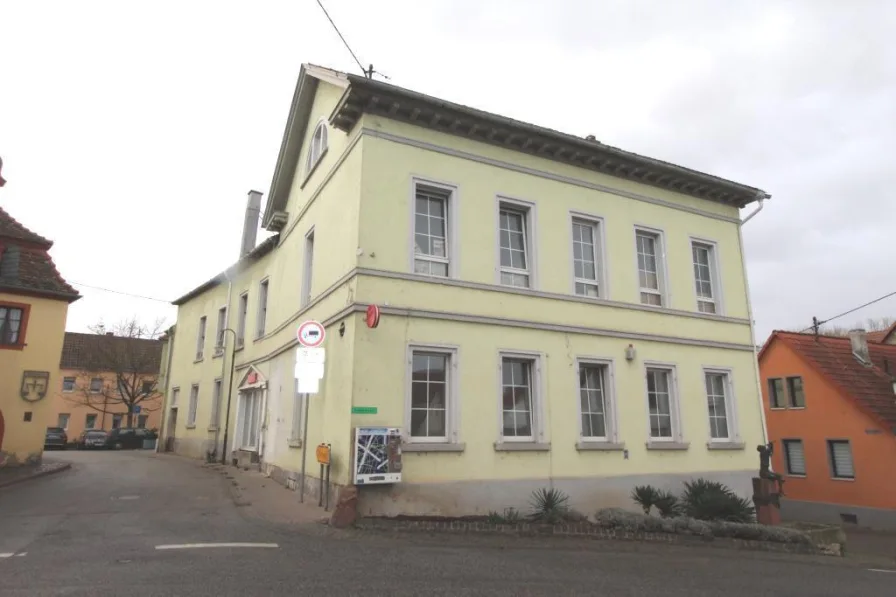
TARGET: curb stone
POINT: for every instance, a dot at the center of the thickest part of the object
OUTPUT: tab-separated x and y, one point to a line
52	469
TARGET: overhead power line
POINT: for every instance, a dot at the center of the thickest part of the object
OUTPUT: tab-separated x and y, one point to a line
817	323
139	296
347	47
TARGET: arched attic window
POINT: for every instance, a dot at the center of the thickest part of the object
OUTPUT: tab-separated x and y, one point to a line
318	145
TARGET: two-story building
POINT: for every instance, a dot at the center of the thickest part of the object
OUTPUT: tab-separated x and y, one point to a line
554	311
34	300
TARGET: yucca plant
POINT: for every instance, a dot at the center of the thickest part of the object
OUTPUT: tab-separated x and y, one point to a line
667	504
711	500
511	516
548	505
645	496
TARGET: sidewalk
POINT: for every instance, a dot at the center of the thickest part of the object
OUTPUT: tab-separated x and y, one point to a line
17	474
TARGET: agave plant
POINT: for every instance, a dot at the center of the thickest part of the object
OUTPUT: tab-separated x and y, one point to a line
549	505
645	496
667	504
711	500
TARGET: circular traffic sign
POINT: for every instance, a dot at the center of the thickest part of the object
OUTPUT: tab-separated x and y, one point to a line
311	334
373	316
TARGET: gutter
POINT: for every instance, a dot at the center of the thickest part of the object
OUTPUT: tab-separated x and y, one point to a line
761	197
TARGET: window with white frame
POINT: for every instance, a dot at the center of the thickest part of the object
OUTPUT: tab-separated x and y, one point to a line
430	403
431	221
175	394
661	403
219	330
318	146
515	233
650	270
250	416
90	421
307	267
243	311
718	397
262	308
705	277
295	433
841	459
518	398
193	406
68	384
594	401
96	385
62	420
200	338
794	457
216	403
586	257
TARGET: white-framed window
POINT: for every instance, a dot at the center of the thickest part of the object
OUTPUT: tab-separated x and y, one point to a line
651	270
200	338
68	384
318	146
706	276
520	375
307	267
193	406
298	405
720	404
840	454
250	417
219	330
96	385
587	256
175	394
116	421
794	457
516	248
217	390
434	221
596	400
262	307
63	419
242	313
90	421
662	403
432	400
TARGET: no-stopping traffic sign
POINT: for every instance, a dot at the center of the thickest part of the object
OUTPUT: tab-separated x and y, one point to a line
311	334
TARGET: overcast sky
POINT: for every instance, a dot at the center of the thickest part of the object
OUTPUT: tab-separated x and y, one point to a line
131	131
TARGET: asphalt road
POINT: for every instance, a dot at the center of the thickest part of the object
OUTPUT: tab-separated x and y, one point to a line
95	529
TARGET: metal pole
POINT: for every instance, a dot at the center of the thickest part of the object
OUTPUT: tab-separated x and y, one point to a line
320	490
304	445
327	486
229	394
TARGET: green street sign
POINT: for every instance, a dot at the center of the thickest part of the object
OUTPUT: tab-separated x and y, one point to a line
364	410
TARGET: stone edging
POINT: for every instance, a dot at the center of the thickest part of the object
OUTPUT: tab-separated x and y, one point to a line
56	467
584	530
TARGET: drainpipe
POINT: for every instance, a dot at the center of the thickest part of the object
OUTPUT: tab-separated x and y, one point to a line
761	197
163	419
224	362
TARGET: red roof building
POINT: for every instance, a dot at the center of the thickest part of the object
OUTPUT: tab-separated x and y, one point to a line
830	405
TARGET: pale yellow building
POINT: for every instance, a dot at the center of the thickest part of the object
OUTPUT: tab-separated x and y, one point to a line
555	311
34	300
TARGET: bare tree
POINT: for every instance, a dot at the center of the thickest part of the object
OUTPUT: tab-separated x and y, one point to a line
871	325
120	367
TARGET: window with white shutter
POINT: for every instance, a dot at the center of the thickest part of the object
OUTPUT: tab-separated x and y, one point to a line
795	457
841	459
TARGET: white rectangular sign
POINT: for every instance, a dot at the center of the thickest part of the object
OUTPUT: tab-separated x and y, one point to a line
309	385
310	355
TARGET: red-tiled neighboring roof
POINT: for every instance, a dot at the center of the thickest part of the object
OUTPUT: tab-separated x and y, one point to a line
882	335
869	386
25	264
98	352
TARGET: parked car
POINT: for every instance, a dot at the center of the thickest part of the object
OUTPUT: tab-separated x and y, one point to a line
92	439
56	438
129	438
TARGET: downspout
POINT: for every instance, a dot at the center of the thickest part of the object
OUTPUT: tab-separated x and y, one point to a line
223	364
761	197
164	419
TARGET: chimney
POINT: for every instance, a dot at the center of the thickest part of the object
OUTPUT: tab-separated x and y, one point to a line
250	224
859	343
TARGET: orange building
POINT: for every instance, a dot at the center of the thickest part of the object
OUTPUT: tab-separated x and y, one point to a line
830	406
99	375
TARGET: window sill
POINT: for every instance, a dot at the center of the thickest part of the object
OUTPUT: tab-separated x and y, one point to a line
725	445
212	428
198	360
796	408
848	479
218	355
13	346
294	443
670	446
434	447
599	446
795	476
239	348
521	447
193	426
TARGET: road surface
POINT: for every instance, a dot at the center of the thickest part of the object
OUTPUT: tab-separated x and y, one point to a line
134	523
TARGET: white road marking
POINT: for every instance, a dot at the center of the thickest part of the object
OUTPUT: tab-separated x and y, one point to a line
880	570
13	554
127	497
203	545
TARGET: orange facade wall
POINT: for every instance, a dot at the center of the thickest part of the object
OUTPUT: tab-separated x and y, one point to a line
68	403
827	416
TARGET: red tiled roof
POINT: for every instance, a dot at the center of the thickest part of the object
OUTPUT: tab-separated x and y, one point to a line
870	386
881	335
98	352
25	264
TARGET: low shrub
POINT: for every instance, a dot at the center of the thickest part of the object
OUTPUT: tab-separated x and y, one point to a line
711	500
512	516
645	496
667	504
549	505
